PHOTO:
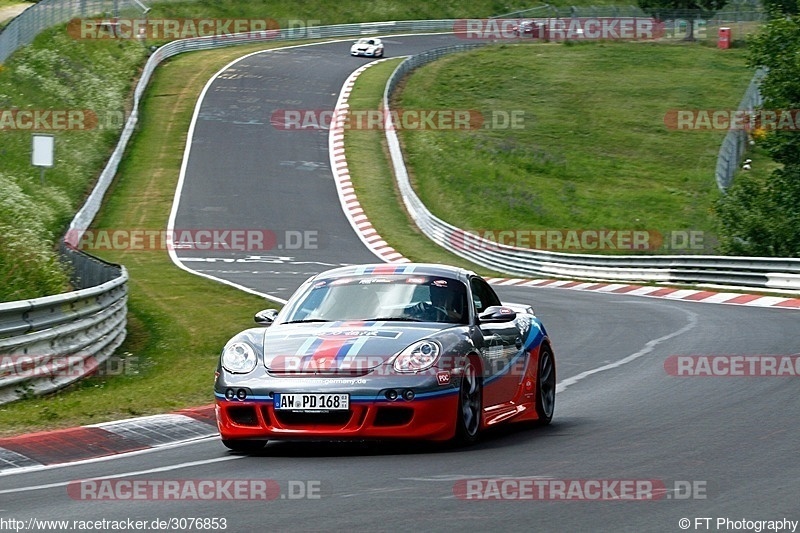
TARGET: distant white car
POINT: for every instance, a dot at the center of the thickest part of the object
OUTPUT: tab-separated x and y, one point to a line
367	46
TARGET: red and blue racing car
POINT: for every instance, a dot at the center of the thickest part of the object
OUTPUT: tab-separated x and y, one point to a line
410	351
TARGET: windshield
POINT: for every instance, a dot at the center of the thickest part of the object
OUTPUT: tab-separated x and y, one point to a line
402	298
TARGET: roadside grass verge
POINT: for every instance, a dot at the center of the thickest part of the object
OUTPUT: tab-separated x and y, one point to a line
55	76
370	171
9	10
177	322
325	12
592	152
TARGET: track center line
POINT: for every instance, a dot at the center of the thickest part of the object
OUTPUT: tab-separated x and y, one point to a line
648	347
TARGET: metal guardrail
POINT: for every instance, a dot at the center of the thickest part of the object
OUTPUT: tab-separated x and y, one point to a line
51	342
24	28
734	145
767	273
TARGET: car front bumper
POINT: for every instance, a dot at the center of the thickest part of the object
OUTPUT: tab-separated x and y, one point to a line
430	415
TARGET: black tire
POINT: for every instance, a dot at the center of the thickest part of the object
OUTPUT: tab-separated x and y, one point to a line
545	386
470	407
244	446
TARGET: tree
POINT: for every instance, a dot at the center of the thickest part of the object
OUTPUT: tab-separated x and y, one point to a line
676	9
762	218
777	49
785	7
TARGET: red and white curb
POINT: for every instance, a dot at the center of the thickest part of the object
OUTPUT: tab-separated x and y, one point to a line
341	175
36	450
692	295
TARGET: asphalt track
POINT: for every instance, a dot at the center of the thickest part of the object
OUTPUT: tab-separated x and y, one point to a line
245	172
619	414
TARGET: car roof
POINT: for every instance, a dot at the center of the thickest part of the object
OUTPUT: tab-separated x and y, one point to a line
385	269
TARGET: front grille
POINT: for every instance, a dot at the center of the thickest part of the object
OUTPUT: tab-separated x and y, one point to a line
306	418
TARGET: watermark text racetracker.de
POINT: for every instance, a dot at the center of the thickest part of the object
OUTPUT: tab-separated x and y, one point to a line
55	120
399	119
589	240
47	119
236	240
732	119
240	489
185	28
707	523
733	365
30	366
546	489
170	28
559	29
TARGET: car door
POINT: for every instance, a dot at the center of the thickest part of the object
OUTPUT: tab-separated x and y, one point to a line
500	343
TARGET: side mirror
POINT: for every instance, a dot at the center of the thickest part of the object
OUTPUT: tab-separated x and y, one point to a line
266	317
497	313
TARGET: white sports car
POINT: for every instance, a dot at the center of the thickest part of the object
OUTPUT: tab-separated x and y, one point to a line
367	46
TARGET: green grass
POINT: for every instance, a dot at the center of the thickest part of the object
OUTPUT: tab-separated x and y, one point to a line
593	151
350	11
56	73
177	322
8	3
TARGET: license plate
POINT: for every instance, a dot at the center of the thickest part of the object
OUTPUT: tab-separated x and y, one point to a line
312	402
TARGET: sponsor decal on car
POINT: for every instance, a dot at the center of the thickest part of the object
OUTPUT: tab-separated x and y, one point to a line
385	333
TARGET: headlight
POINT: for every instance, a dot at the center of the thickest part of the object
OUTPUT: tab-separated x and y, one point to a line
419	356
239	358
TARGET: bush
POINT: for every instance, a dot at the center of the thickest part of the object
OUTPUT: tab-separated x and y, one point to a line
56	72
29	265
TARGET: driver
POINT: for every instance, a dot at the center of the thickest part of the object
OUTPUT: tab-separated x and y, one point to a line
446	306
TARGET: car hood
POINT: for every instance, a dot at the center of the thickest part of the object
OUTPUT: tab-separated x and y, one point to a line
339	347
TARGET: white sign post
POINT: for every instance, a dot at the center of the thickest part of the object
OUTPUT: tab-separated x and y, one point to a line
43	151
